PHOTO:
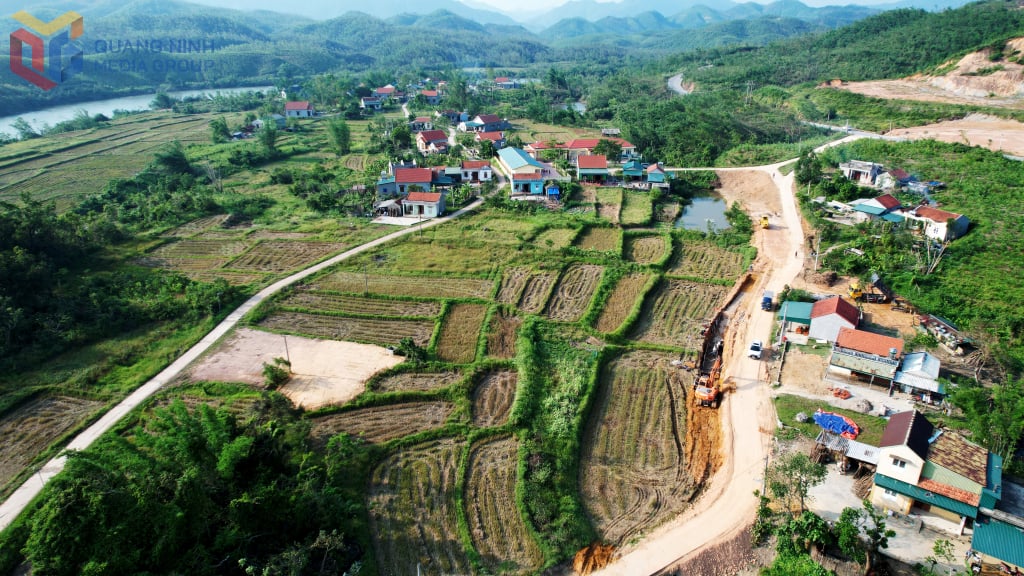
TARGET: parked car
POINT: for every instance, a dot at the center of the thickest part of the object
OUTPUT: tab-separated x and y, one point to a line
755	350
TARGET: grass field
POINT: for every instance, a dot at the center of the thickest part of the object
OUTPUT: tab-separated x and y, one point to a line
696	259
383	423
460	333
621	301
492	398
645	249
413	286
601	239
637	208
674	312
787	406
368	330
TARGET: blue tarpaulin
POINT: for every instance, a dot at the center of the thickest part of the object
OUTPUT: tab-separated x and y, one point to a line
837	424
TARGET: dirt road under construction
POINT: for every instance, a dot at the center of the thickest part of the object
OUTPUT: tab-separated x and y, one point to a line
747	417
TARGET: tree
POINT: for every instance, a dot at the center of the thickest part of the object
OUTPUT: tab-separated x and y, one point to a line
792	476
276	374
994	415
487	149
268	138
808	168
219	131
852	523
25	130
162	101
609	149
171	159
401	136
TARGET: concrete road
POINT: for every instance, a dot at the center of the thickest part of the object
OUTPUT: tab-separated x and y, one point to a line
21	497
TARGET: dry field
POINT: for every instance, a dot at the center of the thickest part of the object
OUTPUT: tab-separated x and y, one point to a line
632	468
415	381
621	301
371	330
600	239
30	429
382	423
495	524
705	260
323	371
460	333
513	281
282	256
200	249
609	203
493	397
536	292
645	249
413	514
501	338
196	226
413	286
674	312
637	209
573	293
307	300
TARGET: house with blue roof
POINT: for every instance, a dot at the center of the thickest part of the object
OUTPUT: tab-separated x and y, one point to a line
525	174
937	473
885	207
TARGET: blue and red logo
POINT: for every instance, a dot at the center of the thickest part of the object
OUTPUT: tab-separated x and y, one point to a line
52	57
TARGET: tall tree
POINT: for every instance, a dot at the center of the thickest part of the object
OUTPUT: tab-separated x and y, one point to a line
268	138
791	477
340	136
869	521
219	131
994	415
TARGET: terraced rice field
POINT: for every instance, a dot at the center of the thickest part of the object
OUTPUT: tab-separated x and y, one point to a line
413	514
705	260
555	238
460	333
33	426
196	226
236	278
413	286
632	468
379	424
535	293
621	302
369	330
637	209
415	381
200	249
675	311
573	293
513	281
600	239
497	528
306	300
493	397
645	249
282	256
609	203
501	338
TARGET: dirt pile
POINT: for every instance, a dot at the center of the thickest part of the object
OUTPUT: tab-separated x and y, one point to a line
592	558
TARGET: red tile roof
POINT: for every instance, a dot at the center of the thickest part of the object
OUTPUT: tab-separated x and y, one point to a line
590	143
474	164
593	162
899	174
538	145
433	136
423	197
492	136
299	105
910	429
501	79
489	118
423	119
835	305
429	93
935	215
412	175
527	177
958	494
868	342
385	90
888	201
653	168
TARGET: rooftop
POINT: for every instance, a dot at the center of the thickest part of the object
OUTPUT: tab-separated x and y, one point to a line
836	305
423	197
516	158
298	105
492	136
953	452
413	175
888	201
868	342
909	429
475	164
934	214
433	136
595	161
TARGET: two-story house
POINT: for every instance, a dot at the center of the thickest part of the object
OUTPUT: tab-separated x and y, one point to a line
403	181
432	142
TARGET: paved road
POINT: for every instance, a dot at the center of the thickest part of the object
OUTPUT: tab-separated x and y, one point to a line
21	497
675	84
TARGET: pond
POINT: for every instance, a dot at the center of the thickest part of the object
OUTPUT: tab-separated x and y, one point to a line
703	210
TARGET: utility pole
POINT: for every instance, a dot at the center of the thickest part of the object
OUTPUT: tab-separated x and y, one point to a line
287	356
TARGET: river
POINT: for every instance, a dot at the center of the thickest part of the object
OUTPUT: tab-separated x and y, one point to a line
50	116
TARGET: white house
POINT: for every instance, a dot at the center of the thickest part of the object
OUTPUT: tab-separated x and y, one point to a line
938	224
829	316
477	171
300	109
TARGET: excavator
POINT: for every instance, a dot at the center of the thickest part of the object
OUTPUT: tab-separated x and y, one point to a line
706	390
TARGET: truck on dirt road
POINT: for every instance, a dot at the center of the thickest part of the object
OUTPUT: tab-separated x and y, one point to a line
768	300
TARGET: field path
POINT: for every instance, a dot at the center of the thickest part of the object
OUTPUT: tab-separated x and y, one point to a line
25	493
748	417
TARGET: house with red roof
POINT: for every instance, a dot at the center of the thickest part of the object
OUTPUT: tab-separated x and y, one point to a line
484	123
432	142
506	83
828	316
893	179
299	109
432	97
404	180
885	207
477	171
866	356
371	103
423	204
421	123
591	168
581	146
389	92
938	224
497	139
932	472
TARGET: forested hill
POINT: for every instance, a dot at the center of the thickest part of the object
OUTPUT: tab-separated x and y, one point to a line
889	45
